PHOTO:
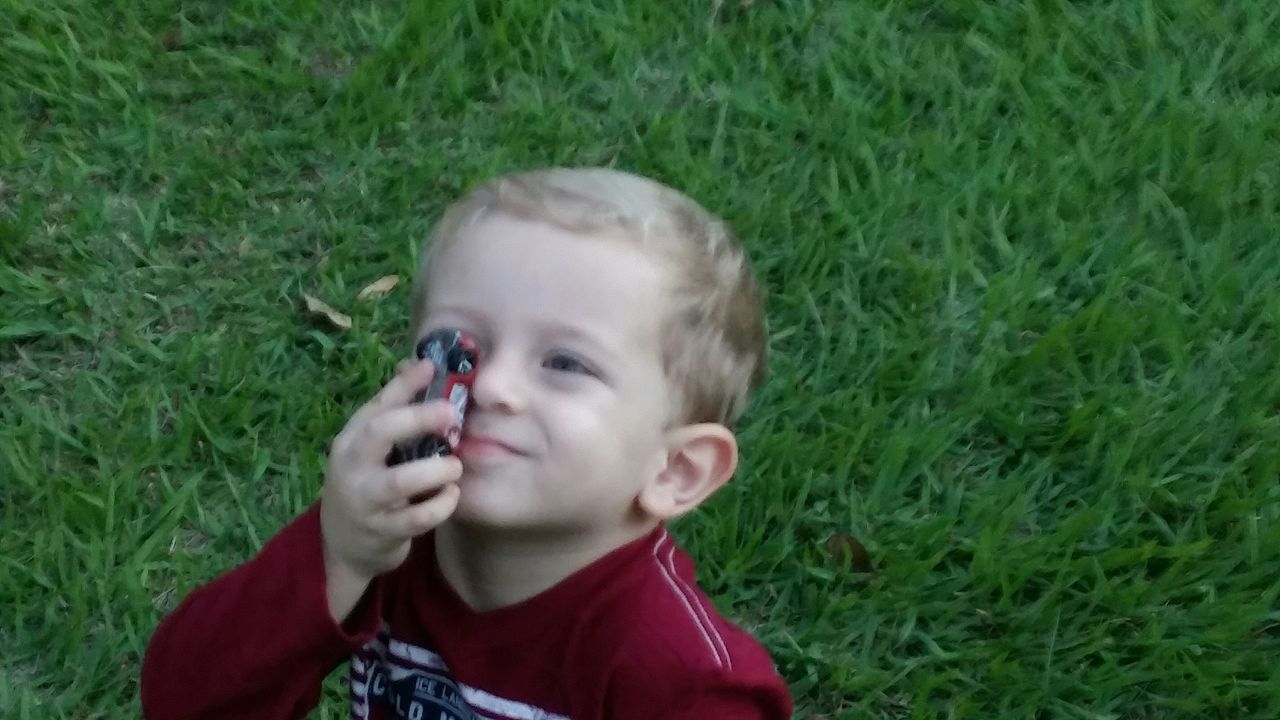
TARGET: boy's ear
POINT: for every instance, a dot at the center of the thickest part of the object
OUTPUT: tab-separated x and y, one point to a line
700	460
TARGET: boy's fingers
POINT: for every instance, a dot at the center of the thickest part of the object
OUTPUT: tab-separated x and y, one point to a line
409	480
411	376
404	423
423	516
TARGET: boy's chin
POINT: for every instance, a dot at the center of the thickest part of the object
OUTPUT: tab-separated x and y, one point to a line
481	512
480	505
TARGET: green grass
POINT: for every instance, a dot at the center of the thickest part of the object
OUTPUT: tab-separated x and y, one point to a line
1024	277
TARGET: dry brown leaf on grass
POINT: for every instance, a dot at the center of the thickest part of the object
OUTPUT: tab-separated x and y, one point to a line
319	308
379	287
716	5
844	547
172	39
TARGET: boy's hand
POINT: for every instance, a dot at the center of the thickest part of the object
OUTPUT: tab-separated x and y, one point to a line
367	519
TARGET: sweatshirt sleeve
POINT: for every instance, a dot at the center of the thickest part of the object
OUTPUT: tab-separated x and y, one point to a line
732	697
671	688
258	641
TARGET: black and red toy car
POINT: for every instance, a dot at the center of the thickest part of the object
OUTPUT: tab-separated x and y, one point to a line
454	354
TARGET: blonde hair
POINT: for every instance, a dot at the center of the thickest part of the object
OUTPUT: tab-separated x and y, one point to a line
715	347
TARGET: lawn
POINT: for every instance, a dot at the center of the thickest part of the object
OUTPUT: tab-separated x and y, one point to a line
1023	270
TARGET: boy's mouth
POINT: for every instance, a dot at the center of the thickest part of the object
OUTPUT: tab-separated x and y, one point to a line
481	447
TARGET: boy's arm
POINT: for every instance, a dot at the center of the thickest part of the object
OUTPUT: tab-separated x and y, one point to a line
644	685
732	698
258	641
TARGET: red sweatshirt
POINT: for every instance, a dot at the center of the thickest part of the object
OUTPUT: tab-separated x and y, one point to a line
629	636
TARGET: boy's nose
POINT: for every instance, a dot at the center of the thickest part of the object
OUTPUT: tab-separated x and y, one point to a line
498	384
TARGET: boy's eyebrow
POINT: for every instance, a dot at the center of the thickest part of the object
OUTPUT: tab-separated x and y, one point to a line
554	328
465	313
559	328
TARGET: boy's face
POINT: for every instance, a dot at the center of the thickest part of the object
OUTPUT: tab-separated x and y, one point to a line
570	399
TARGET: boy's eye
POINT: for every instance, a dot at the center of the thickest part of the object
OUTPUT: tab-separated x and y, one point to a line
566	363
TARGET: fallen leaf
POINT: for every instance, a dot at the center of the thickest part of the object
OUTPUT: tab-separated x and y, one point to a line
172	39
847	548
245	246
319	308
379	287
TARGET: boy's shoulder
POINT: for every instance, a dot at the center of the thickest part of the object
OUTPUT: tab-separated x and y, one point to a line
660	635
629	636
659	607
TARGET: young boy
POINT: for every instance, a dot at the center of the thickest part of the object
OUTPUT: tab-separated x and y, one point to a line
621	333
